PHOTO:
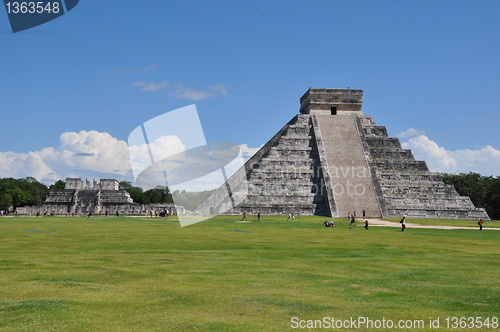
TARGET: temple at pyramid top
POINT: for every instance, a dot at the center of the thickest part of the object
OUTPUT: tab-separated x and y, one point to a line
331	101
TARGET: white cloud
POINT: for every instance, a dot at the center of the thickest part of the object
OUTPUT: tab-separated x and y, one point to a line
152	87
127	70
146	69
84	154
247	152
485	161
412	132
182	91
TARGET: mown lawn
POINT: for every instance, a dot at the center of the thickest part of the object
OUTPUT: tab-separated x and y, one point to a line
149	274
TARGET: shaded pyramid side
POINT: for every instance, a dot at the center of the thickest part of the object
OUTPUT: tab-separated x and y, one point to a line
407	186
284	176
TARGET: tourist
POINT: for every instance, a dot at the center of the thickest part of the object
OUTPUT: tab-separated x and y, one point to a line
353	221
364	213
326	224
293	216
244	215
117	213
258	216
332	224
480	223
89	215
289	216
349	215
403	224
106	213
366	224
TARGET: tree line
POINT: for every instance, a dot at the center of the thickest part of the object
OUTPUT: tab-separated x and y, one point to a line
484	191
159	194
22	192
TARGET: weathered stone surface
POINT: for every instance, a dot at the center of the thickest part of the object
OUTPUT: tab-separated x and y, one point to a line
96	198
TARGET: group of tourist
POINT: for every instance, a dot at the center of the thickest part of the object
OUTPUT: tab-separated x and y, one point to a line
245	216
161	213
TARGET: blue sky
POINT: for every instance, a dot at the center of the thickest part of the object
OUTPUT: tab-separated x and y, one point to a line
77	86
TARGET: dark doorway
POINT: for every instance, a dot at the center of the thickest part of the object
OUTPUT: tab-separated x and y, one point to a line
333	109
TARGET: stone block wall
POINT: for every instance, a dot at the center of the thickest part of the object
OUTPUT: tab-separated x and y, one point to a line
408	187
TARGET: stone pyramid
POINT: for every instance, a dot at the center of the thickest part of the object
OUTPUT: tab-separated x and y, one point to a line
330	160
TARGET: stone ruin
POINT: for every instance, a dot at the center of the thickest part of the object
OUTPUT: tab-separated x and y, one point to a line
77	198
330	160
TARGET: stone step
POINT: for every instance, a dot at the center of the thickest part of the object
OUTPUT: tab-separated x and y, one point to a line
345	157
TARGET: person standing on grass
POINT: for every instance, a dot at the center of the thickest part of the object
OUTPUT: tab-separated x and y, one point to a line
353	221
403	224
244	215
258	216
480	223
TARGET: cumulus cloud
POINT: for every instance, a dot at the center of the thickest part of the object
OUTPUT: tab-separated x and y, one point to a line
92	154
485	161
181	91
412	132
247	152
146	69
152	87
184	92
83	154
127	70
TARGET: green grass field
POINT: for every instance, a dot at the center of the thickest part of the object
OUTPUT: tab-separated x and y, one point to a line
148	274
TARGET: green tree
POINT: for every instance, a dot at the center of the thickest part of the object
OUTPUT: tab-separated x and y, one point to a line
125	185
5	201
59	184
484	191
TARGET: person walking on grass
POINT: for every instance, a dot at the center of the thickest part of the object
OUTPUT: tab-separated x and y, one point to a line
480	223
258	216
244	215
353	222
403	224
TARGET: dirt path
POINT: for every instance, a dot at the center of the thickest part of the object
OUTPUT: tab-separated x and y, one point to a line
378	222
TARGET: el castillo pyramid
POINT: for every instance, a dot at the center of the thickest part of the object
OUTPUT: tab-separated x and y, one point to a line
330	160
